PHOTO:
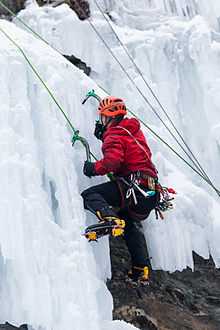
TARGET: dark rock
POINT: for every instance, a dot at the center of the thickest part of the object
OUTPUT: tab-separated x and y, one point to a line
13	5
8	326
213	300
184	300
136	316
80	64
81	7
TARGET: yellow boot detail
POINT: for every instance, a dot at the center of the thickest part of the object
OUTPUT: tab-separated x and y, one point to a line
144	273
145	276
117	232
92	236
98	214
119	222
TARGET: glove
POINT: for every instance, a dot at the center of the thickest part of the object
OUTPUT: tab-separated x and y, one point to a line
89	169
99	130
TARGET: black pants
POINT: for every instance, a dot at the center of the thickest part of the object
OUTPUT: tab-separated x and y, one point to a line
110	197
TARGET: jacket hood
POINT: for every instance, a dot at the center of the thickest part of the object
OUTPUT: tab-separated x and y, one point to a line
131	124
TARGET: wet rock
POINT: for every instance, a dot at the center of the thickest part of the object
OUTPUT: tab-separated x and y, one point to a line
213	300
184	300
81	7
136	316
8	326
80	64
14	5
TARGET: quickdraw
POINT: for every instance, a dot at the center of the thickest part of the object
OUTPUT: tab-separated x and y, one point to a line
165	202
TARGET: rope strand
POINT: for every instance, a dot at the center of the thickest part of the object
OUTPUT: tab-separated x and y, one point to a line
45	85
193	158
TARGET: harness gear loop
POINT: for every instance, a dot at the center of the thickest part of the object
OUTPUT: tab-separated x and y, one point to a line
165	200
130	192
164	204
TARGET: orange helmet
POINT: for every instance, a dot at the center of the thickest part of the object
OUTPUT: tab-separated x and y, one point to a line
112	106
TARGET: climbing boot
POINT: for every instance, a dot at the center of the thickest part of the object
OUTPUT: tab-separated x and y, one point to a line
107	216
139	275
108	225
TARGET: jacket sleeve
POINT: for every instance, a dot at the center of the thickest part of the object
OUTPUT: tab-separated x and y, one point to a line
113	156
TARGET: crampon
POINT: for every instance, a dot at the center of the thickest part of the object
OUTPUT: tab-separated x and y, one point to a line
113	228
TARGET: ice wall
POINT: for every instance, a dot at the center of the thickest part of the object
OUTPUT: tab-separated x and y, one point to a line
49	277
179	58
141	16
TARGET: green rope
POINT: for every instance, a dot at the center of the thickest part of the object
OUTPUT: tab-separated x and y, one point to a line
39	77
76	136
176	153
198	165
37	34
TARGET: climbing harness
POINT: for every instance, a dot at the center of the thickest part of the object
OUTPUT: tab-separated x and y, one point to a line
133	185
165	199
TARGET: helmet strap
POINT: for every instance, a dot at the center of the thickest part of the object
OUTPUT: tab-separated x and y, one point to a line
107	121
118	118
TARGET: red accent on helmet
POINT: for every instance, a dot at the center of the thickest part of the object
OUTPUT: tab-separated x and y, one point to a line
112	106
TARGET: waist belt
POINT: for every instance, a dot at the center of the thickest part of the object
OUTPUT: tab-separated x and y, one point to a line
146	180
134	182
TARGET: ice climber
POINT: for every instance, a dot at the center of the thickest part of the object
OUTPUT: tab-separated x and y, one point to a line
126	154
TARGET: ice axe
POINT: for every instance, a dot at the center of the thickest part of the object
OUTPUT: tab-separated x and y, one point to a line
91	94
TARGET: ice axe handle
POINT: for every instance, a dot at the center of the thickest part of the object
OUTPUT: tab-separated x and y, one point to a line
84	101
86	145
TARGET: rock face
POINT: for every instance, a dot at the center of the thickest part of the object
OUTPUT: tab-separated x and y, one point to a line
80	64
8	326
81	7
14	5
180	301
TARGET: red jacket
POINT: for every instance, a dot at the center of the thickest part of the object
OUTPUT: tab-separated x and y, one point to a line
125	150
